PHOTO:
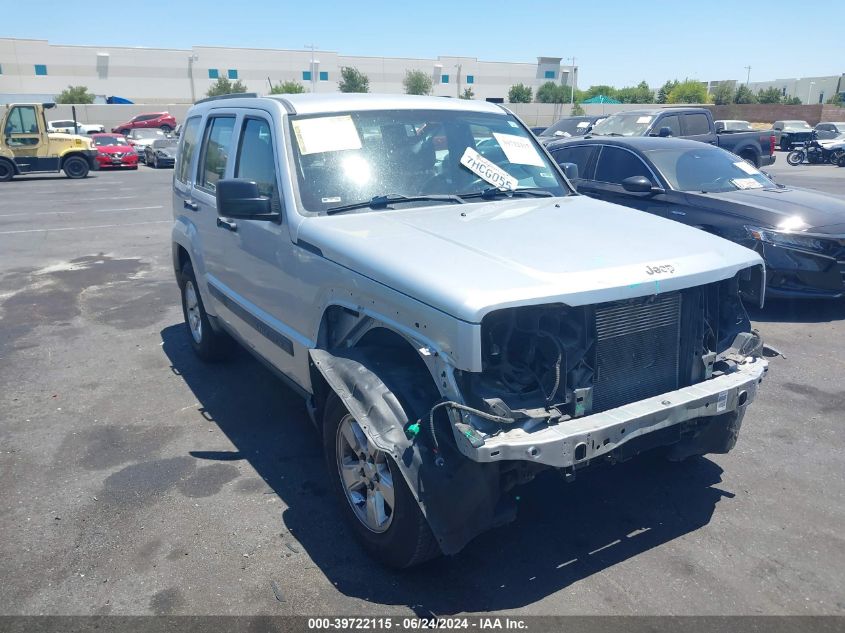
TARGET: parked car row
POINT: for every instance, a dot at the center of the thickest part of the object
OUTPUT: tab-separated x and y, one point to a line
149	146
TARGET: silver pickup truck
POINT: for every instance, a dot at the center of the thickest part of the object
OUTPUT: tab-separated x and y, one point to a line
456	316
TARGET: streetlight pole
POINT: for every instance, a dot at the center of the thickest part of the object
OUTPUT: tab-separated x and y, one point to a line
573	83
459	67
748	76
810	91
191	59
313	47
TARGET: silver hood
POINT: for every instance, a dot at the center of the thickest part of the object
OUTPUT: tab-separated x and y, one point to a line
468	260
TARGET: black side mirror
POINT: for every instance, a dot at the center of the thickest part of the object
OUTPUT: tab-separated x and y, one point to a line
240	198
640	184
665	131
570	170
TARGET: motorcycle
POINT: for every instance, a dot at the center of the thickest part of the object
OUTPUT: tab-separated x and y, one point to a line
816	152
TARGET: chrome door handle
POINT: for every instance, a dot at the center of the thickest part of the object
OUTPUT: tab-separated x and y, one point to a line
193	206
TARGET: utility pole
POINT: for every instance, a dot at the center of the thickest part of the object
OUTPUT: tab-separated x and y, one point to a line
191	59
459	66
313	47
573	81
810	91
748	76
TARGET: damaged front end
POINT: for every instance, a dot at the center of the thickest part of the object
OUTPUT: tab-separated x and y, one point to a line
578	383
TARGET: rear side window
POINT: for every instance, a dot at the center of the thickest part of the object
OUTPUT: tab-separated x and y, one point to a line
255	157
696	124
615	165
581	155
215	152
190	140
672	122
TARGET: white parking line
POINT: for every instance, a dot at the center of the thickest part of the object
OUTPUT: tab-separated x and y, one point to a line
85	228
17	215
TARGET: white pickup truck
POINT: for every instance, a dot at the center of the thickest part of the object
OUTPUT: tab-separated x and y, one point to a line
66	126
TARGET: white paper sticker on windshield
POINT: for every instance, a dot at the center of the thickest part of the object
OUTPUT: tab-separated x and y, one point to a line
644	119
749	169
746	183
488	171
519	150
326	134
583	124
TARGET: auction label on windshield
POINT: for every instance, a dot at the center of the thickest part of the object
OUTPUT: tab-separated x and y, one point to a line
326	134
746	183
487	170
519	149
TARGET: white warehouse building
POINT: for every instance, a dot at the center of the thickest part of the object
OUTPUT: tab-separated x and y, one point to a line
152	75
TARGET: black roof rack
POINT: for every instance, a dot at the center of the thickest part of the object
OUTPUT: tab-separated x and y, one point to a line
237	95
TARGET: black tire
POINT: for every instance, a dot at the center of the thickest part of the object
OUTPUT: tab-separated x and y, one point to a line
751	159
209	345
796	157
7	171
155	162
166	129
408	540
76	167
785	144
841	161
125	132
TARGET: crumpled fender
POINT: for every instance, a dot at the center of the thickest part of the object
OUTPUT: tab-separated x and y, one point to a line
460	498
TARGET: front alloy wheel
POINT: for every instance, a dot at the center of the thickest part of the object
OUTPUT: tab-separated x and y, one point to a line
365	474
192	309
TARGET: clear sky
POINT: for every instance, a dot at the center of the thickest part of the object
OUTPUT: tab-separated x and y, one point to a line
617	42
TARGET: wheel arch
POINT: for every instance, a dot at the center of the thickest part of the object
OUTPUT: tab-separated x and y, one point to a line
8	161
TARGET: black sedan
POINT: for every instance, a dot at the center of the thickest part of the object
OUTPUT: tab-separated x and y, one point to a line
161	152
799	233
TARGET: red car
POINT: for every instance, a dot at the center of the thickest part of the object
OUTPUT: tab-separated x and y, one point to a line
114	151
162	120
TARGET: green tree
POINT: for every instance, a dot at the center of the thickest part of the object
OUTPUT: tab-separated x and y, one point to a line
769	95
75	94
601	89
640	93
744	95
519	93
665	89
353	80
688	91
468	94
835	99
287	88
550	92
417	82
577	110
225	87
792	101
722	93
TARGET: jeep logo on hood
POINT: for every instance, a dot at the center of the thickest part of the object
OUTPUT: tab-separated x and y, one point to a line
660	269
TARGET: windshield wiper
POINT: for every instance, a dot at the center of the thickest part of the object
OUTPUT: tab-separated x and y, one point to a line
495	192
381	202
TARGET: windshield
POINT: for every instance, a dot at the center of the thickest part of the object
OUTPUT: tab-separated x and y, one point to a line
738	126
623	124
104	141
147	133
797	124
707	169
574	126
347	158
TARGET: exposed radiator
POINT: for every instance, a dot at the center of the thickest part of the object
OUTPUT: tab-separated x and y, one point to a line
637	350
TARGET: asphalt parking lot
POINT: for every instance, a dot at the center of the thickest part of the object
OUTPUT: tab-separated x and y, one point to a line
136	480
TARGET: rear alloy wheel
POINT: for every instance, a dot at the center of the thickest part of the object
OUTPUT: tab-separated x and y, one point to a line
166	129
795	158
6	171
378	505
76	167
208	344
